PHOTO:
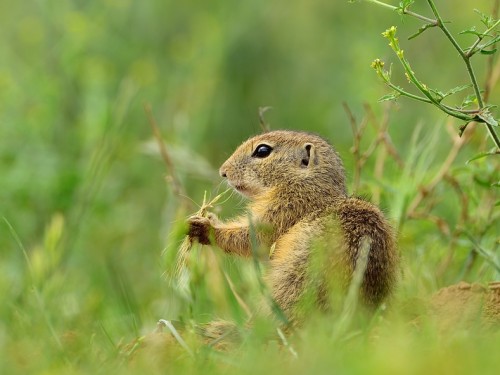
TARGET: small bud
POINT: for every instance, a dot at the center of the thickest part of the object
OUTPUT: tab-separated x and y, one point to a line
389	33
377	64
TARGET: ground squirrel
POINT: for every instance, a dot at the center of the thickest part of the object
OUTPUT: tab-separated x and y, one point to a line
300	211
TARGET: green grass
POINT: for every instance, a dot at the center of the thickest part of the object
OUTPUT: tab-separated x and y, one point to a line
90	227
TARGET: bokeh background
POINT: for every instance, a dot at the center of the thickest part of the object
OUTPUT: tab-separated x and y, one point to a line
86	210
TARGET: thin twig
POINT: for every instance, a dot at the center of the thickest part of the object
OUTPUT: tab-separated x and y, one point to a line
481	115
382	139
460	51
263	124
404	11
458	143
472	49
357	132
381	129
441	224
383	132
176	184
464	200
470	70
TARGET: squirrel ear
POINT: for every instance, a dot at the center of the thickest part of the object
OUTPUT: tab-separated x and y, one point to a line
309	155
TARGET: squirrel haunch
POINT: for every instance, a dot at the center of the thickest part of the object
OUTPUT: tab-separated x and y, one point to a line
299	207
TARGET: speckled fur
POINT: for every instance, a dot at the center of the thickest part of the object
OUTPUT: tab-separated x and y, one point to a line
299	205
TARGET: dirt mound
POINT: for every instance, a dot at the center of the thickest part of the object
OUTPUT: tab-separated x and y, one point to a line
466	305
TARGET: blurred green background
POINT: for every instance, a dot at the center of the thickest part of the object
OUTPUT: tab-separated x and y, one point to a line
82	185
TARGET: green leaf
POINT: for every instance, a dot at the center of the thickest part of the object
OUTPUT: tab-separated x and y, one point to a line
457	89
469	100
441	95
392	96
487	20
481	155
404	5
487	117
421	30
472	31
489	43
487	52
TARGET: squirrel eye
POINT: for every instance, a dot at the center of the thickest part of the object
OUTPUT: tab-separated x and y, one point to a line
262	151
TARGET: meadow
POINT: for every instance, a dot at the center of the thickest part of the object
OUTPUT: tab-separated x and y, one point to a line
93	213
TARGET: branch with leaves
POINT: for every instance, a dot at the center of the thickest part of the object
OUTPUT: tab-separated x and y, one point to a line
484	44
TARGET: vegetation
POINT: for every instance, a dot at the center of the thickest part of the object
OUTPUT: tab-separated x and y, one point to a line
483	44
90	228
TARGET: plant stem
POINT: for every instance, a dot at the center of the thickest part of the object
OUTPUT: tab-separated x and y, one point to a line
465	57
423	89
404	11
408	94
460	52
392	7
493	135
468	65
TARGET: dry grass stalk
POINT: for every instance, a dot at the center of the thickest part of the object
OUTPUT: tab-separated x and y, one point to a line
425	199
265	127
240	300
171	176
458	144
187	243
382	139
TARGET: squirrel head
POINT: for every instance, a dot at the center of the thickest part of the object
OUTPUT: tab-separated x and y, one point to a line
291	161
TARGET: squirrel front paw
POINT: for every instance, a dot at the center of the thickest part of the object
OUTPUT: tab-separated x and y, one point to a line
199	229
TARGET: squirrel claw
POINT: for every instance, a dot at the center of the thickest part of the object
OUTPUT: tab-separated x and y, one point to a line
199	229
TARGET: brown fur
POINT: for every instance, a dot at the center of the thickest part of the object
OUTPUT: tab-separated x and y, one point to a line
300	207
